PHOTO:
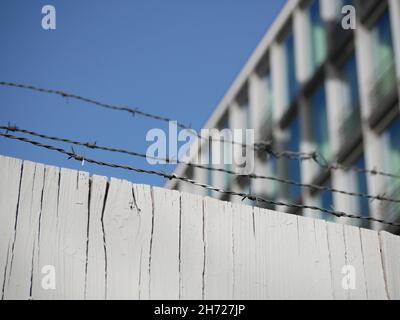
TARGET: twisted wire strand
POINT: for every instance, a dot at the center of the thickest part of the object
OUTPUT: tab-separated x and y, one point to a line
73	155
259	146
94	145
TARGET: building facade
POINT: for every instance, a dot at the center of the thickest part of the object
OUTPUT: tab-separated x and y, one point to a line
312	85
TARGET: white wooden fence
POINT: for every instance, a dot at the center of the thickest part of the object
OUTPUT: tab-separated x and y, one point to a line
118	240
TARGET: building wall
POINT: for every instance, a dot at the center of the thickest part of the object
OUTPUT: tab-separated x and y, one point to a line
319	61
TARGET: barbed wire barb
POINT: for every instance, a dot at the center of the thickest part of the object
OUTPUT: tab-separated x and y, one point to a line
94	145
73	155
258	146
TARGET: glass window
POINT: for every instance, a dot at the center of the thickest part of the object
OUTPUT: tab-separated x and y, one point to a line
385	71
391	141
293	166
391	154
350	84
361	187
247	190
271	170
291	81
382	43
351	101
319	122
325	201
246	116
318	36
268	98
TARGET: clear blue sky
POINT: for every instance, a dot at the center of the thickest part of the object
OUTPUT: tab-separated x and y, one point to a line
174	58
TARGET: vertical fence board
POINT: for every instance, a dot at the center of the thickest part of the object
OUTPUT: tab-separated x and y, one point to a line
282	238
73	213
46	252
337	252
374	277
165	253
10	176
192	247
18	284
142	261
244	269
96	259
218	276
390	246
261	260
121	228
314	270
354	257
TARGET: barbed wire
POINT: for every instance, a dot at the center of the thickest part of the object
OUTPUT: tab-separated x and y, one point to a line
265	146
73	155
94	145
131	110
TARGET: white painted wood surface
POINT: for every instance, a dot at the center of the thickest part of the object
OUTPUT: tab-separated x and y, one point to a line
111	239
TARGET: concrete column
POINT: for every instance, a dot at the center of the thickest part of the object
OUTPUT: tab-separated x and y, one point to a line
301	29
256	104
278	72
394	8
257	98
308	168
329	9
372	145
334	105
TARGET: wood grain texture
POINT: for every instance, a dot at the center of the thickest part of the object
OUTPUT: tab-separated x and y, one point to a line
18	282
10	178
111	239
218	269
143	196
313	260
121	229
72	224
374	274
390	246
244	252
165	245
46	253
96	255
192	247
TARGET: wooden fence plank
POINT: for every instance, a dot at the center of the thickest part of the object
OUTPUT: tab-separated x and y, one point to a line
218	272
244	259
121	228
337	253
165	253
142	245
18	284
314	269
390	246
46	253
73	213
192	247
96	258
262	269
354	257
281	233
374	277
10	176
